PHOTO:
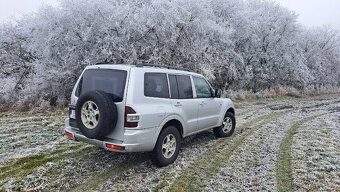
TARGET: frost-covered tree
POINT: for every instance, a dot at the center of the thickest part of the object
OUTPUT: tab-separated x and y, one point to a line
252	45
15	61
321	48
265	37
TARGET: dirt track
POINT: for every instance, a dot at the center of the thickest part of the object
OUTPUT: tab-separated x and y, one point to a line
279	144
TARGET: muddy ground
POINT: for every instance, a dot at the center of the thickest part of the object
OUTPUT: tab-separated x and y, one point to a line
281	144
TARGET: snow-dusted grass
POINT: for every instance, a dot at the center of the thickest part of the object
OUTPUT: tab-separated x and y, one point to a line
316	154
27	134
36	156
195	176
252	167
284	175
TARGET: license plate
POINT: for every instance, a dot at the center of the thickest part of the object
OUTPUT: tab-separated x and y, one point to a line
72	112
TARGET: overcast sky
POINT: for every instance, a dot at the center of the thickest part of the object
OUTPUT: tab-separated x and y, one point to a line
315	12
312	12
14	9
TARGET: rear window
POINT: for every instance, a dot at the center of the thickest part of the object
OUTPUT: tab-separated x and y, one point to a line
109	80
156	85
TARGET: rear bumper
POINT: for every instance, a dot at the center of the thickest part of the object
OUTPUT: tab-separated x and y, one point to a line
140	140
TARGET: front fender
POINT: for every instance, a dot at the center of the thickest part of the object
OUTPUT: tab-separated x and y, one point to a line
226	105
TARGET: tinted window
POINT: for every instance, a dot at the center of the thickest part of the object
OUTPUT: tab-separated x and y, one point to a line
108	80
203	89
184	87
173	87
156	85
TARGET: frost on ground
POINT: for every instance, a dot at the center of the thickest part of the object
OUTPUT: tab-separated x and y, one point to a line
24	134
36	156
147	177
252	166
316	155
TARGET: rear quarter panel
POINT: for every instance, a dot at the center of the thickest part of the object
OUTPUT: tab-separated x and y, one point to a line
152	110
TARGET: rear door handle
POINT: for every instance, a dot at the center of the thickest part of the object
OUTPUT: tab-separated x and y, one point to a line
178	104
202	103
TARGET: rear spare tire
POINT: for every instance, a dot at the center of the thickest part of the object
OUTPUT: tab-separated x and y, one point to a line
96	114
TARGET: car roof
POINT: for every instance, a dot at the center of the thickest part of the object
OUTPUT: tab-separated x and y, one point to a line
147	68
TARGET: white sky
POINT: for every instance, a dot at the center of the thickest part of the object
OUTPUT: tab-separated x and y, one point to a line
312	12
315	12
14	9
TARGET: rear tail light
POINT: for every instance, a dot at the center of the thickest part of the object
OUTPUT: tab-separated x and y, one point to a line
131	118
114	147
69	134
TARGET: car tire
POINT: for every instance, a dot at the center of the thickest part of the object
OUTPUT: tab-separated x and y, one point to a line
228	126
96	114
167	147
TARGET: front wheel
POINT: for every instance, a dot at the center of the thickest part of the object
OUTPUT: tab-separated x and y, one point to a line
228	126
167	146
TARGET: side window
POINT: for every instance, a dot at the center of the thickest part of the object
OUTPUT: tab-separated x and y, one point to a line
184	87
203	89
173	87
156	85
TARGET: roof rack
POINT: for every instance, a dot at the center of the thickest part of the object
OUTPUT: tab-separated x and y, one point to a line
100	63
149	65
161	66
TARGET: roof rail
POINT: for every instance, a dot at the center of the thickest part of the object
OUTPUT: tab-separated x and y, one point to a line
161	66
100	63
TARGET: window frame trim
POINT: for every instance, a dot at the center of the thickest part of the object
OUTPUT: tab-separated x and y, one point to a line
167	75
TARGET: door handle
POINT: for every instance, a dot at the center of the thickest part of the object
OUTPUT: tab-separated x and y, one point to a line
202	103
178	104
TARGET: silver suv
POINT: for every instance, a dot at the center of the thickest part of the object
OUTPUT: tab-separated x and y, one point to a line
143	107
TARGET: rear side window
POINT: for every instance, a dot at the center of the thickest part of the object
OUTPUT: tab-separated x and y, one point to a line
173	87
180	86
156	85
109	80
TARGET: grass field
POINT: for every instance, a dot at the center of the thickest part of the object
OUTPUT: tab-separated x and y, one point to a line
281	144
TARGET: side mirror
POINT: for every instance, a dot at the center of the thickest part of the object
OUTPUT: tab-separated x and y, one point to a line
218	93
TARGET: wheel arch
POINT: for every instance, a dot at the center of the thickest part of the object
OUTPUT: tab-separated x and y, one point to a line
227	106
176	123
231	110
167	122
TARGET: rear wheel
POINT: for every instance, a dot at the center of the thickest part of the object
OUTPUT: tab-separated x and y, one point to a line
228	126
167	146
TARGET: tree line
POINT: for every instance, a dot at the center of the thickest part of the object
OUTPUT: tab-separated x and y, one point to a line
251	45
